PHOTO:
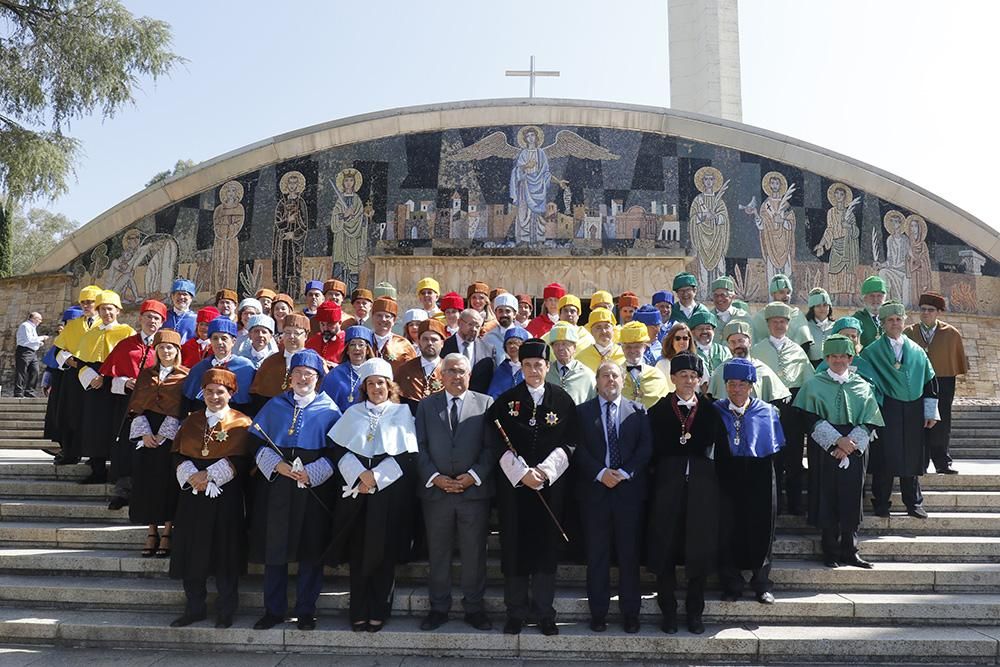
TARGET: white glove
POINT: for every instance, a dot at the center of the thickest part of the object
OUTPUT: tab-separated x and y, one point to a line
298	467
350	491
213	490
844	463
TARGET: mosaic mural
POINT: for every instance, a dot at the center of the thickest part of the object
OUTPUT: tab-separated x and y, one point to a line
533	191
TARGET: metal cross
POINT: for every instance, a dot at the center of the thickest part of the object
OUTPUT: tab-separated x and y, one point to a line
531	73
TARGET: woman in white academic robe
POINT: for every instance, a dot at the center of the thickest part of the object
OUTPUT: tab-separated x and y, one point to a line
376	448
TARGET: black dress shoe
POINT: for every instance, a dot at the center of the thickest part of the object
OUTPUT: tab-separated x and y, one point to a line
306	623
548	627
695	625
669	624
224	622
479	620
375	627
117	503
765	598
728	596
856	561
434	620
917	512
882	512
948	471
61	460
631	624
268	621
513	626
830	561
598	624
187	619
94	478
359	627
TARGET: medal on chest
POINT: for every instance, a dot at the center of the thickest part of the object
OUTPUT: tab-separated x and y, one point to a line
296	415
686	422
213	433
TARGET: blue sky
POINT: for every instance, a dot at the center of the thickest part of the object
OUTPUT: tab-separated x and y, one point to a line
904	85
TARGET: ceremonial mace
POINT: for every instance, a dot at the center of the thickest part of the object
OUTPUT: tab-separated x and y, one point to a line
510	448
282	457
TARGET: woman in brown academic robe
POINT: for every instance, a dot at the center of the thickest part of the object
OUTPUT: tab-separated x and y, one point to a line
213	458
155	406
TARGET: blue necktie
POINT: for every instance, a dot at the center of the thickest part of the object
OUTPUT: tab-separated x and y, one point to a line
614	453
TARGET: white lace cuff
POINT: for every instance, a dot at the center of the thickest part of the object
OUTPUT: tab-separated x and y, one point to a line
350	468
139	428
861	437
169	427
319	471
931	409
267	462
472	473
514	467
86	376
221	472
61	357
386	473
825	434
184	472
118	385
555	464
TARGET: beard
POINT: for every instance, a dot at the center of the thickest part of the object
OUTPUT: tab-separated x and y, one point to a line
741	352
328	336
505	321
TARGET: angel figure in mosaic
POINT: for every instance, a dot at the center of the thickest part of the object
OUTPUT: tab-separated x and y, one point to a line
708	225
349	225
841	238
291	220
159	254
227	221
530	175
775	220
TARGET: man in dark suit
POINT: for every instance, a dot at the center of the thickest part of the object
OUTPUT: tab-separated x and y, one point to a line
479	353
456	473
614	450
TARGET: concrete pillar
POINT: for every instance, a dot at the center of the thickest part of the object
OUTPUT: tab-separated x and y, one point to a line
705	57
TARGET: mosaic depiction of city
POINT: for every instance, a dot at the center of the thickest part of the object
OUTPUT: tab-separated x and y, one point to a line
529	190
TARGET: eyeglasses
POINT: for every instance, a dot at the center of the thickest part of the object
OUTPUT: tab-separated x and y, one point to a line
928	309
457	372
682	337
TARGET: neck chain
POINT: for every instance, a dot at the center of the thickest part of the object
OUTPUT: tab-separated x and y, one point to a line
737	423
354	379
374	417
211	433
296	413
686	422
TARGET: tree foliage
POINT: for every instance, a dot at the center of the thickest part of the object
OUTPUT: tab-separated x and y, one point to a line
34	234
179	167
61	60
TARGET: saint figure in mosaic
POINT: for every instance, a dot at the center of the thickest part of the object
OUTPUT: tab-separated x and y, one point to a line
775	220
349	225
841	238
709	224
291	220
227	221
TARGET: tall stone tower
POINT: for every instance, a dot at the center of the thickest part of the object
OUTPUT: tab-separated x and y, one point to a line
705	57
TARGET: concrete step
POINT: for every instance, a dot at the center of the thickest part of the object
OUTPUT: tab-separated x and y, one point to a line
721	642
26	433
27	443
960	453
909	541
26	488
787	574
46	509
571	602
24	467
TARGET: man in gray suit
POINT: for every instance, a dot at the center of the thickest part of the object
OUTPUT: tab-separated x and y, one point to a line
456	471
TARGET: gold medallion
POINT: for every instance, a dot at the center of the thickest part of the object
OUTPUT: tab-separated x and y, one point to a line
551	419
204	450
221	436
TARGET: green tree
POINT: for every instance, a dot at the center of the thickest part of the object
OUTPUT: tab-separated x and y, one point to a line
180	166
34	234
61	60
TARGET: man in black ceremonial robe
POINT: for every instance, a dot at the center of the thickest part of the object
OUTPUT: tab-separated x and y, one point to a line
540	419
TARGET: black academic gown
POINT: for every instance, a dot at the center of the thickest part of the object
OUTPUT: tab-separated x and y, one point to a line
102	419
209	533
382	521
901	444
689	537
289	524
529	540
836	496
749	501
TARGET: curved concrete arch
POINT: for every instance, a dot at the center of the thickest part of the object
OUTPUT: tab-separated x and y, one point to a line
538	111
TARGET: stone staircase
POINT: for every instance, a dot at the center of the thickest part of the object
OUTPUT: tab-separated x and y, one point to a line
71	574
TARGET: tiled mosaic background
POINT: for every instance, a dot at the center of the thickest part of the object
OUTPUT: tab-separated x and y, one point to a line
527	190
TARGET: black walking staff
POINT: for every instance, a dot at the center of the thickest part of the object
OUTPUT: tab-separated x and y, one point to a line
510	448
277	451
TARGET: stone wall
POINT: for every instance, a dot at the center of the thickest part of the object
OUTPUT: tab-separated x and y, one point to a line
49	294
